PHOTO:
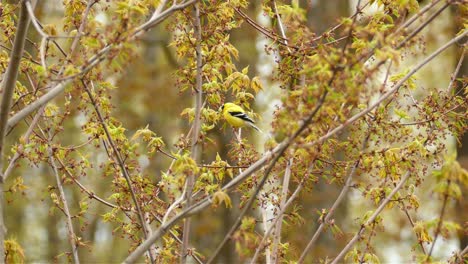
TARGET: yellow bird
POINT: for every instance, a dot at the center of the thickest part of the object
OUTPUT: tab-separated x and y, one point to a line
237	117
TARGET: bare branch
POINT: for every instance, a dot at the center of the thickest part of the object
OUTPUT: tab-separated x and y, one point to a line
275	221
196	148
440	220
26	136
8	87
371	219
122	166
159	16
54	92
423	25
174	205
421	12
82	187
72	238
279	222
280	25
412	225
332	210
455	73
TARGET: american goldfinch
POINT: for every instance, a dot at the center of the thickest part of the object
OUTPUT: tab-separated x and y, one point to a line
236	116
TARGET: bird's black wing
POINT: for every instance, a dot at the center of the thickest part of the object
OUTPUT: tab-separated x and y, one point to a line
242	116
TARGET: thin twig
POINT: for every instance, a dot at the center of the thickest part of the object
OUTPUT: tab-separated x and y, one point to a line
455	73
29	57
159	9
280	25
37	25
268	33
461	256
277	218
174	205
423	25
45	37
412	225
441	219
279	222
176	237
371	219
83	23
335	205
159	16
416	16
82	187
26	136
367	249
73	239
122	166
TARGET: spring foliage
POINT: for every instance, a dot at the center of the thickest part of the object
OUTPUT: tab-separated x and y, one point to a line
325	79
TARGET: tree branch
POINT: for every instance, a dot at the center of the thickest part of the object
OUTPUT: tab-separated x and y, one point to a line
335	205
423	25
72	238
280	25
196	148
390	92
279	222
90	193
133	257
26	136
159	17
412	225
11	75
279	150
441	218
8	87
122	166
421	12
60	84
275	221
371	219
455	73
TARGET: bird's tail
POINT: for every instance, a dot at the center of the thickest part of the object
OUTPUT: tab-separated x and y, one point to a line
255	127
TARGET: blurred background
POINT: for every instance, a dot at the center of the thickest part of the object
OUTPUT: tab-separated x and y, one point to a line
147	95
